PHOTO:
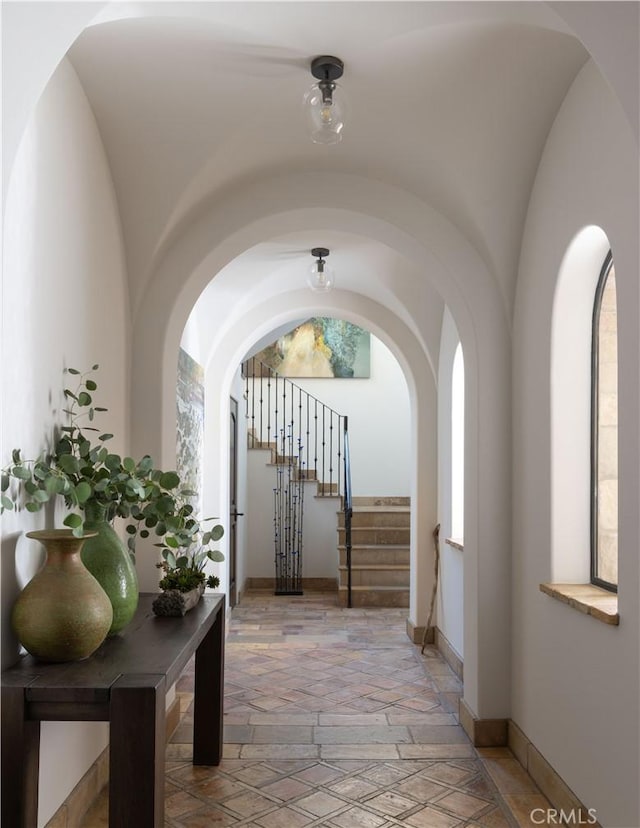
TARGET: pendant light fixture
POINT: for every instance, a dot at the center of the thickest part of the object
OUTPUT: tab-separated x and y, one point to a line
324	102
320	277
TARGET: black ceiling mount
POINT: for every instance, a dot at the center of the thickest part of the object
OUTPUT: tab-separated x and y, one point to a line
327	68
320	252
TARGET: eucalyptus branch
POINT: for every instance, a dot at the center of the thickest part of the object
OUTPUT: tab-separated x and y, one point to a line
89	475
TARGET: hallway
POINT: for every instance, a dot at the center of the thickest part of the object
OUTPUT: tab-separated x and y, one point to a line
333	719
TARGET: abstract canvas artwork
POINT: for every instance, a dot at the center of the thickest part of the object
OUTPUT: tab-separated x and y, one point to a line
321	347
190	424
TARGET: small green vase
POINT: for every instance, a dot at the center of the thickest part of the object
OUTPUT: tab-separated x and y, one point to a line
62	614
109	561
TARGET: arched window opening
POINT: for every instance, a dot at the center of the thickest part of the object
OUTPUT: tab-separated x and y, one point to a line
457	446
604	432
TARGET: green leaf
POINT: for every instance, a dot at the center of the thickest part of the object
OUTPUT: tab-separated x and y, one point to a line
104	437
72	371
98	408
145	465
6	480
7	503
144	533
90	385
169	480
131	543
169	557
216	532
68	463
173	523
73	521
78	532
182	561
112	462
21	473
84	448
161	529
15	455
91	413
51	485
84	398
69	393
172	542
131	529
129	464
30	487
215	555
40	496
64	446
40	471
136	488
33	507
83	491
95	367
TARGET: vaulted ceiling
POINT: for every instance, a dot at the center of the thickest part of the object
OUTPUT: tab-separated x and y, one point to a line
450	101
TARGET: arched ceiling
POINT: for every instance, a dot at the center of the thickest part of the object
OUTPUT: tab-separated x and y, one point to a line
281	265
450	101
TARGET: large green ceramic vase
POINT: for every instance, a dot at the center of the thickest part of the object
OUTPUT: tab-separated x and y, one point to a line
62	614
109	561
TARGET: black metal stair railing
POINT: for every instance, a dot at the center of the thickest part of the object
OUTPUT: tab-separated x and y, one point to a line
347	507
305	435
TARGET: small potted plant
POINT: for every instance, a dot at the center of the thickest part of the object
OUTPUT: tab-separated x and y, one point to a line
184	578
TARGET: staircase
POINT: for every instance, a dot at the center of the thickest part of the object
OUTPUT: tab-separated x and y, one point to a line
380	532
278	459
309	442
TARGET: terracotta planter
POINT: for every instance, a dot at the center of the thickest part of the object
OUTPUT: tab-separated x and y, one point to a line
62	614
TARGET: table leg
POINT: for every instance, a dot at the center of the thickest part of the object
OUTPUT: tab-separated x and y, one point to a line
136	752
20	761
208	705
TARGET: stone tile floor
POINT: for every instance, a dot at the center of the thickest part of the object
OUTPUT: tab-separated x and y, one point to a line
333	719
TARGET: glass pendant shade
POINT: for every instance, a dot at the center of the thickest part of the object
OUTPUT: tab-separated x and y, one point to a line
321	277
325	110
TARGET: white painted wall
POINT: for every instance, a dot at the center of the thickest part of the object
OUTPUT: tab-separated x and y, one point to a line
65	303
450	599
575	680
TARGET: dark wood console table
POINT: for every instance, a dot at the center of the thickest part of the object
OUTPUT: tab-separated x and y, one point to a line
124	682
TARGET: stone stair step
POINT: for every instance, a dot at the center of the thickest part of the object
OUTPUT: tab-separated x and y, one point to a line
375	555
260	444
366	596
376	576
376	500
390	516
372	535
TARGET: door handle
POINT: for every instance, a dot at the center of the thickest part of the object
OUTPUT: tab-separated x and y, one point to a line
237	514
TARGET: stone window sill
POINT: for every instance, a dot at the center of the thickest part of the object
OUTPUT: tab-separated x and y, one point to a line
457	543
591	600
